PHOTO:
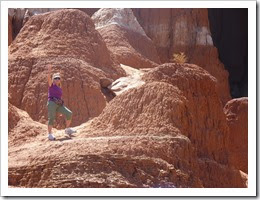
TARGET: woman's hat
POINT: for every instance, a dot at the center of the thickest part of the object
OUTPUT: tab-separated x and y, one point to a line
56	75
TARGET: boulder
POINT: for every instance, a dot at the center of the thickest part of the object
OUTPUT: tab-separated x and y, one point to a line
66	39
175	30
236	112
125	37
105	82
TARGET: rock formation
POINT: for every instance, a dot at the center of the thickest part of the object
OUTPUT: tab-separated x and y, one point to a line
139	124
10	30
21	128
67	39
153	135
125	37
185	30
21	15
177	100
89	11
161	26
236	112
204	115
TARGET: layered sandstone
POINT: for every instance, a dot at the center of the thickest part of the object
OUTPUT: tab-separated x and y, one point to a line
125	38
66	39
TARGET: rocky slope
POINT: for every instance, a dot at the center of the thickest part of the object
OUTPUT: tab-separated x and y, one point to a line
236	112
21	128
203	115
139	123
125	38
148	136
67	39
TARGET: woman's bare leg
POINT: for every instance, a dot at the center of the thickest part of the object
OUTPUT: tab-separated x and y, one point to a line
49	128
68	123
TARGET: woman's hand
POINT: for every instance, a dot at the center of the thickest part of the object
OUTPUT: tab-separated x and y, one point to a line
49	68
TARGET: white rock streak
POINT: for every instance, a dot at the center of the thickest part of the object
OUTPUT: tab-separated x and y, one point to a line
203	36
132	80
123	17
183	35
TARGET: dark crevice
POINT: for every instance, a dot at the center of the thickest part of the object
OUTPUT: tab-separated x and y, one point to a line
109	94
229	29
84	95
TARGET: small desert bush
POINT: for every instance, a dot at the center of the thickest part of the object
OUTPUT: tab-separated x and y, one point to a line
179	57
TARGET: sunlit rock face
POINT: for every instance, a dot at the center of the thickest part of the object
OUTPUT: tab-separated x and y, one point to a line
185	30
125	38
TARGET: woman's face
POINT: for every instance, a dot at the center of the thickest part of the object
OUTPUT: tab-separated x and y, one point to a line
56	80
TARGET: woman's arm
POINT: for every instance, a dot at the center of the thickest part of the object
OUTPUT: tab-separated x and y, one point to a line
49	75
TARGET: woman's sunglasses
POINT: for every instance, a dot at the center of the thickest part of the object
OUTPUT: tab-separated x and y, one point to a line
57	78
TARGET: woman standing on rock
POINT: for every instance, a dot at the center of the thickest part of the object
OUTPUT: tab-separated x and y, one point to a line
55	104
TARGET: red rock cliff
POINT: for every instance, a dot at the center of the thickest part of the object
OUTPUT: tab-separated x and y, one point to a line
185	30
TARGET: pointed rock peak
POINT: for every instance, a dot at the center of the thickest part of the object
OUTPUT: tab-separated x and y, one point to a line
123	17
